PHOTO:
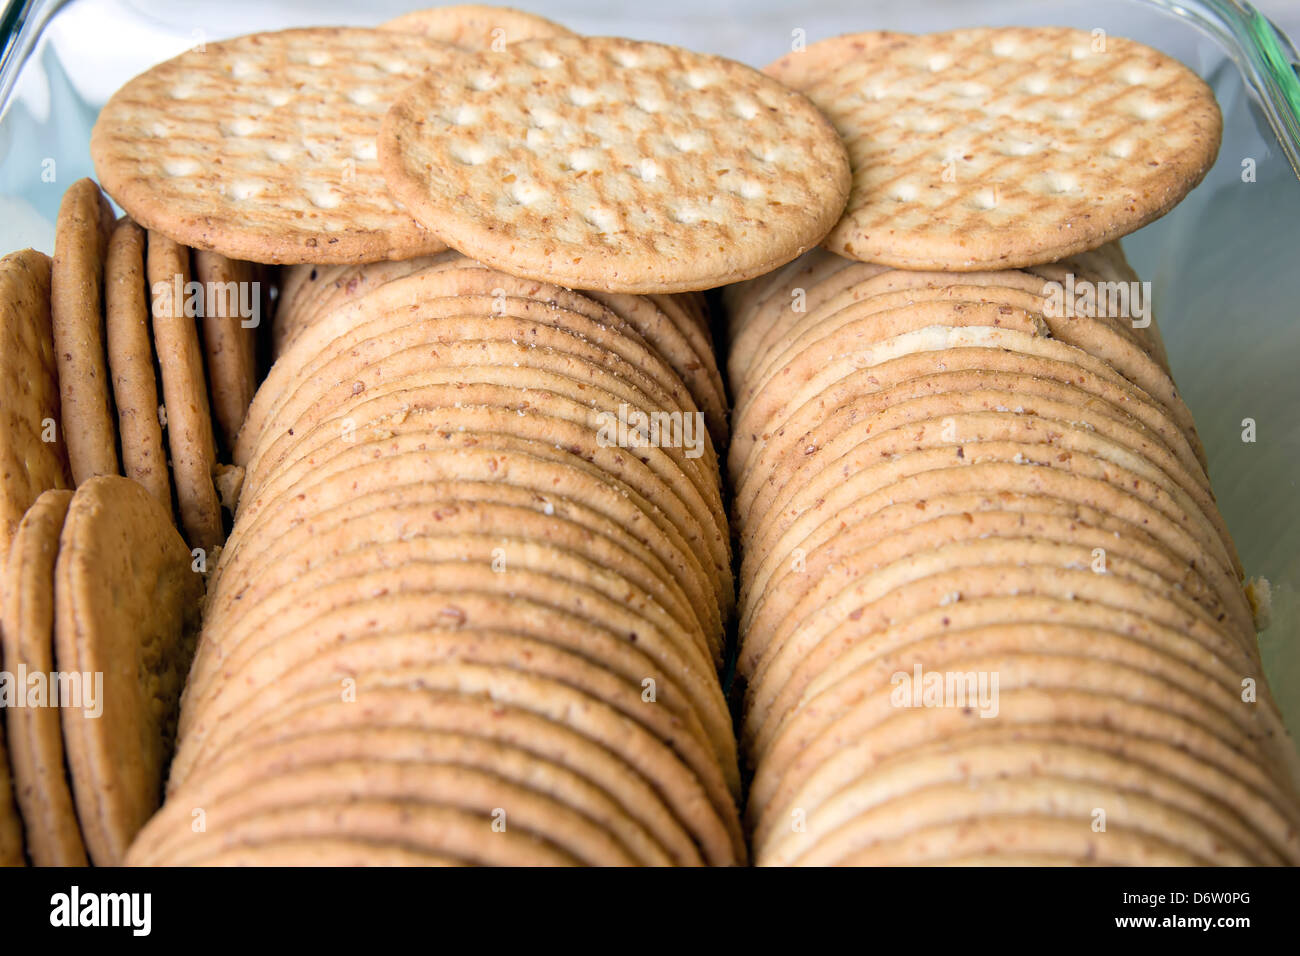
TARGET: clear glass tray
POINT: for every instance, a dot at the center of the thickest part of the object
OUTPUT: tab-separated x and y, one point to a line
1224	264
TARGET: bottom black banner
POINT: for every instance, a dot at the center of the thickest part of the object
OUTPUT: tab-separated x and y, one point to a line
336	906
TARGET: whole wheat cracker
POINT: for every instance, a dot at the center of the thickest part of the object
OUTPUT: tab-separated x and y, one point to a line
229	346
651	480
294	115
31	413
126	606
975	760
467	522
841	654
524	372
77	307
189	420
1138	559
831	444
131	362
700	171
460	509
318	851
879	599
35	734
1006	841
393	304
1112	395
1098	479
898	522
516	332
569	585
1007	147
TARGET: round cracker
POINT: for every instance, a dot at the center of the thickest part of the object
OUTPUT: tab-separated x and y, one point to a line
189	420
229	346
77	307
740	176
35	733
30	412
131	362
1057	839
930	193
291	187
126	607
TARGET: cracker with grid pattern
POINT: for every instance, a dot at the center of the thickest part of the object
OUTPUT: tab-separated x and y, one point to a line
998	148
609	164
293	116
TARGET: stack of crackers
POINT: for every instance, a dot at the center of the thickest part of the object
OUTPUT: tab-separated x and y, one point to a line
101	604
475	600
990	612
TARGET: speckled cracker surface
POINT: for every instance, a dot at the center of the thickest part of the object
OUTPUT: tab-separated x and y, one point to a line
31	398
293	117
802	67
35	734
126	606
609	164
1000	148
